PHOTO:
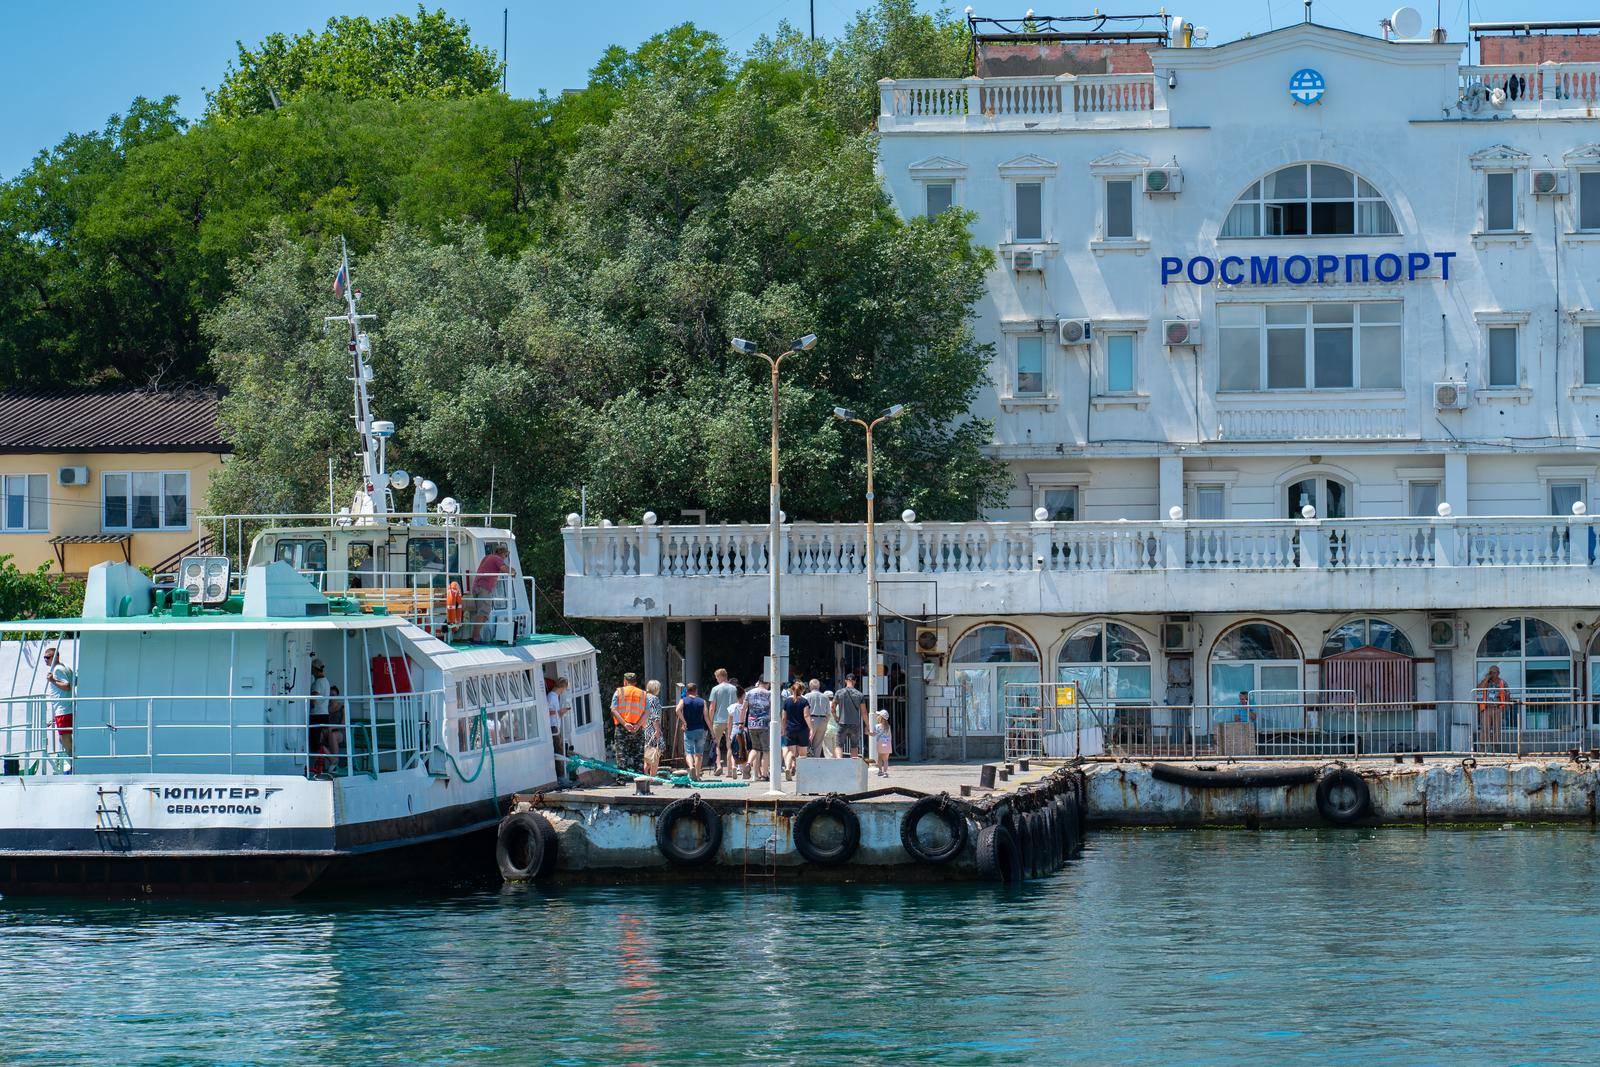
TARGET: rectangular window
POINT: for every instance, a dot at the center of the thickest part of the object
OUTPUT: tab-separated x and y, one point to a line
1499	201
1030	211
1119	363
1503	356
1333	345
26	503
1589	200
1591	355
1423	498
145	500
940	196
1119	209
1209	501
1030	367
1062	504
1563	495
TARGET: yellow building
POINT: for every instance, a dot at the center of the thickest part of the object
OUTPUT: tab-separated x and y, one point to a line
94	475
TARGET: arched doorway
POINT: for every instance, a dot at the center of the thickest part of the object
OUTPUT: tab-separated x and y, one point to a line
1256	665
1110	663
1329	495
985	660
1534	662
1369	663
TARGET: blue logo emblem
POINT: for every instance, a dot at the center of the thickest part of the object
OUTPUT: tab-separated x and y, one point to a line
1306	86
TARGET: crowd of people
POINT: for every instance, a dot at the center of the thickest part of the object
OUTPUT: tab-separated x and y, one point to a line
730	725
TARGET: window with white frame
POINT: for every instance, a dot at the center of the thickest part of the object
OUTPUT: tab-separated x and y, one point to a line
27	506
939	197
1502	362
1121	356
1119	209
1029	211
1589	201
1028	377
1422	497
1499	201
1310	200
1591	355
1324	345
1060	501
145	500
1210	501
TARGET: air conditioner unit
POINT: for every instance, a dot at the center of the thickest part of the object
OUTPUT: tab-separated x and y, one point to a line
1162	181
1178	634
1027	259
72	475
1074	331
1441	631
1177	332
1548	182
933	642
1450	396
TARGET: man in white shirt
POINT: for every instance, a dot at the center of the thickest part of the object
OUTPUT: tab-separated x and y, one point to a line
719	702
59	682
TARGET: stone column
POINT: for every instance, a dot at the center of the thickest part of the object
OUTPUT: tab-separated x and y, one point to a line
1171	482
1455	486
654	663
692	655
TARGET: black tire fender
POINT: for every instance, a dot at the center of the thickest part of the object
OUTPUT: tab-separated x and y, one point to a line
998	857
689	808
941	808
840	809
1343	796
525	846
1071	826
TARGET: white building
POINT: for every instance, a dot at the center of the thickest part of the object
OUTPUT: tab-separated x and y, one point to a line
1297	351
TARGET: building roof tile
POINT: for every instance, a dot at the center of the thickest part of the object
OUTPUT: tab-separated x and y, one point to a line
111	420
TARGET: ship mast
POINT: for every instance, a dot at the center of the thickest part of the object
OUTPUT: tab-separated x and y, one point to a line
372	498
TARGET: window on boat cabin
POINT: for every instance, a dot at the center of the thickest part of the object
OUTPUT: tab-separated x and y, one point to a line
1589	201
1030	211
1310	200
940	196
308	555
1321	345
1591	355
27	502
1119	209
360	565
1029	380
1503	370
1499	201
145	500
427	556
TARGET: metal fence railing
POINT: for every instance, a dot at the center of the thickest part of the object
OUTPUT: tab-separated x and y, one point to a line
1040	722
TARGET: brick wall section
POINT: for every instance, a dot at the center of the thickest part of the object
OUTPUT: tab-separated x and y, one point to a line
1005	59
1540	48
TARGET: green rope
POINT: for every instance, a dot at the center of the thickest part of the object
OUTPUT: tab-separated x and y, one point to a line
676	779
486	756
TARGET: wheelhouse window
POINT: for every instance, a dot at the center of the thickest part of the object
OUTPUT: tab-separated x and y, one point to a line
1119	209
1499	201
1029	378
1332	345
1310	200
939	198
27	503
1503	356
145	500
1029	211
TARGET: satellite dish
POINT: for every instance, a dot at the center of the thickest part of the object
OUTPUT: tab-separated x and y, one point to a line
1407	23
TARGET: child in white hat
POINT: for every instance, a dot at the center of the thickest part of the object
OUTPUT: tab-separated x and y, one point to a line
883	743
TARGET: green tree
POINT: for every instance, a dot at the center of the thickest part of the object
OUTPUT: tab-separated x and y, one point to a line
37	594
891	40
396	58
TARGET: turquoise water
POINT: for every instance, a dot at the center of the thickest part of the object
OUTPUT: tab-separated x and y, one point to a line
1381	946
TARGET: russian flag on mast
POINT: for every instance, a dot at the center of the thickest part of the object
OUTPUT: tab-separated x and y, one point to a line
341	280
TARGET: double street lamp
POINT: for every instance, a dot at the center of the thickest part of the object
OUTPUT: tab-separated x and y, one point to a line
846	415
774	519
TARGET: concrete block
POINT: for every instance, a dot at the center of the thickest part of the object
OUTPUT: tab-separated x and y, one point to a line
830	776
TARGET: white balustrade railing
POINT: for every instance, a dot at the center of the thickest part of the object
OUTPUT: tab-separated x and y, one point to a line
1062	100
1525	85
735	550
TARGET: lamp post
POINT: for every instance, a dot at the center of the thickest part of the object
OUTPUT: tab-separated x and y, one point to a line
846	415
774	519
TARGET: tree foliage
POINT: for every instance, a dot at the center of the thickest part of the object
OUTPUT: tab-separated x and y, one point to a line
37	594
430	56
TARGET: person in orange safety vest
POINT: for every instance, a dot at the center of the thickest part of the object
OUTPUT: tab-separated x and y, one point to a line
1493	701
627	711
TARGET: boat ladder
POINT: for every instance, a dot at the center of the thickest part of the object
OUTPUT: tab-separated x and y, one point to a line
767	866
111	819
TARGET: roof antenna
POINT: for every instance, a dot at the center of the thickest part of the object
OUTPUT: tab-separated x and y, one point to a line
1308	10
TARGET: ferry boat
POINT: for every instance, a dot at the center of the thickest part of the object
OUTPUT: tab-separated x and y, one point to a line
352	703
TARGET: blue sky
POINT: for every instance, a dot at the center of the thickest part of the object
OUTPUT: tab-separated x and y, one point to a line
66	65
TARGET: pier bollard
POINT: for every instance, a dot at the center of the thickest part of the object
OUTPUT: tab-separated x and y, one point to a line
1005	773
966	790
1009	768
1022	765
986	776
642	786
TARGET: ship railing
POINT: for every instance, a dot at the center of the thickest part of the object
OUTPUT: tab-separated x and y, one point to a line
312	736
1329	725
487	611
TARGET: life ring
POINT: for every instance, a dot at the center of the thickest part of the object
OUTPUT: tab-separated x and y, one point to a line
942	809
1343	796
849	840
998	857
454	612
711	827
525	846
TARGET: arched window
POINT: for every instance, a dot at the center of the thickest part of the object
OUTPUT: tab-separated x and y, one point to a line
1366	633
1109	662
986	660
1310	200
1329	496
1531	655
1258	660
